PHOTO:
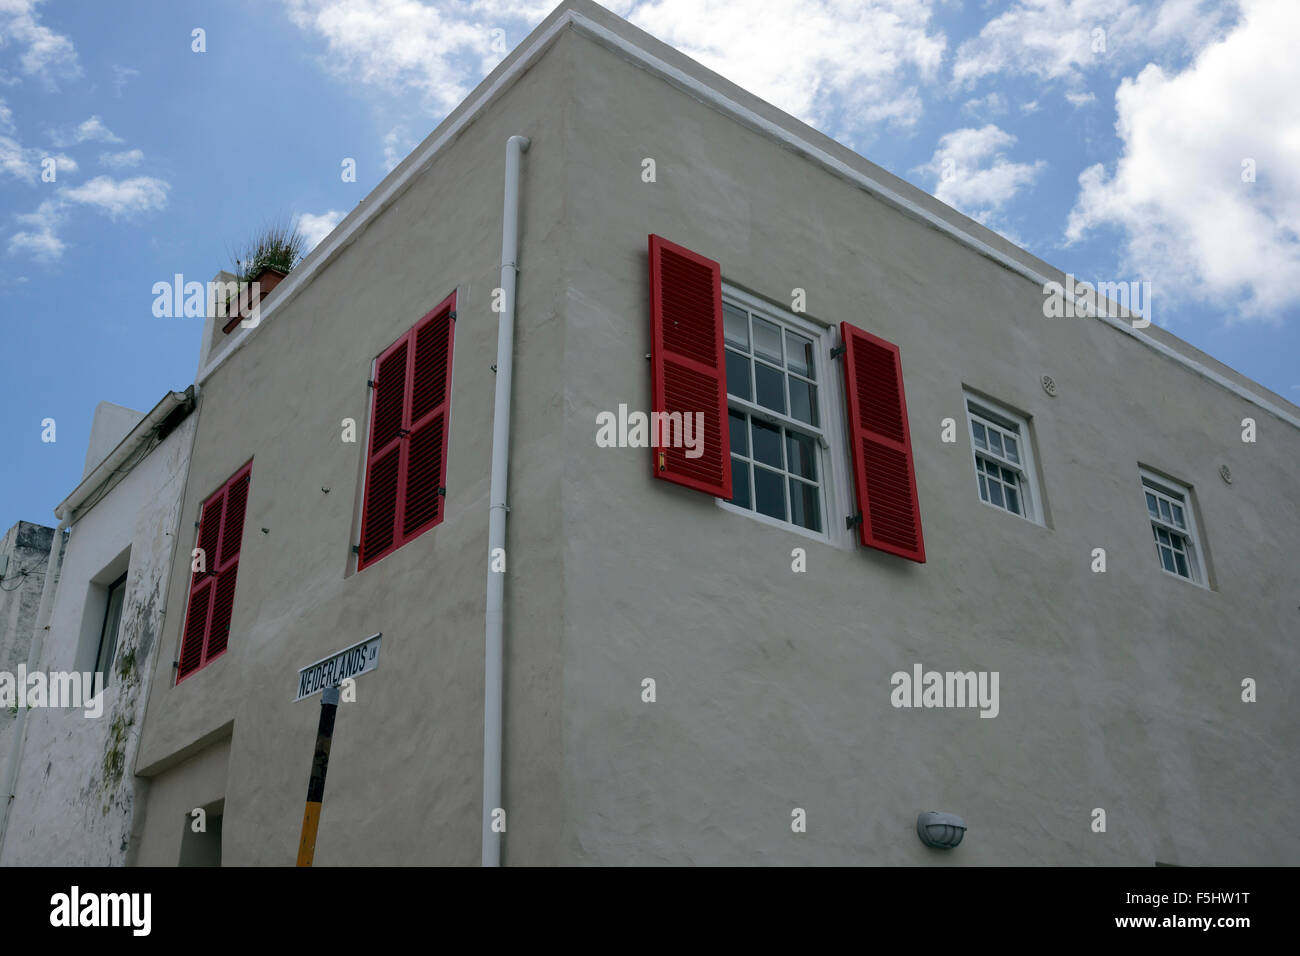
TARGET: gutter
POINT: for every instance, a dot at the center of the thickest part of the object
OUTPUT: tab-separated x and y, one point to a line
494	638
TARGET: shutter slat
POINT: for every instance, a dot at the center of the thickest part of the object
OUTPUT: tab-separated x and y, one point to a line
688	374
883	470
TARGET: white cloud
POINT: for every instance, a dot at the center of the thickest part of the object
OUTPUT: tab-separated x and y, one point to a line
1189	222
89	131
317	227
993	104
123	160
41	242
1081	99
1066	39
6	118
397	143
43	54
973	173
121	76
405	44
119	197
23	162
817	59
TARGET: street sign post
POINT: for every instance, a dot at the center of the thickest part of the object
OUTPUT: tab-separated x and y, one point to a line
360	658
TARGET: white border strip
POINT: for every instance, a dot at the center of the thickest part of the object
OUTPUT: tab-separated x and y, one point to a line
710	96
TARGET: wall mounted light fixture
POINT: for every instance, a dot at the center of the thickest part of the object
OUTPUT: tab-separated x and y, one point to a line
943	831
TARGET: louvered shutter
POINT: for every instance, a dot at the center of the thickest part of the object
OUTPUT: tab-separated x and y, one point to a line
407	469
212	591
687	368
881	444
384	465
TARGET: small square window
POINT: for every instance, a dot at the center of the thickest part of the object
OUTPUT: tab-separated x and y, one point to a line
1172	529
1004	473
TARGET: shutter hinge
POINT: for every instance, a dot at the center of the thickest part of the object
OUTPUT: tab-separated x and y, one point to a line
196	524
356	549
852	521
371	383
443	492
452	315
494	368
838	350
403	432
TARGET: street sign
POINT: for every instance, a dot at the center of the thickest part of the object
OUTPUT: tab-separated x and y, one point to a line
328	671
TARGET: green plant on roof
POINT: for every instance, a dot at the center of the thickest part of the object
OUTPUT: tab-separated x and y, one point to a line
278	245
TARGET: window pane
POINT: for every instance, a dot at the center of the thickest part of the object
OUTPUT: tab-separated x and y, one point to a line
1167	559
738	376
736	323
799	355
1012	449
1164	510
769	493
740	483
771	387
767	340
995	442
108	635
984	489
978	429
739	434
805	505
1178	517
1151	505
1182	565
767	443
1009	477
1013	501
801	453
995	493
803	401
1162	536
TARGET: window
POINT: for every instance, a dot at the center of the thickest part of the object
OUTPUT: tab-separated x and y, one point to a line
406	467
1004	469
774	416
759	377
108	632
1172	528
212	584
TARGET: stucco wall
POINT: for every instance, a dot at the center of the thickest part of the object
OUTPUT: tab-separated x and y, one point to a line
76	793
404	783
27	547
1118	690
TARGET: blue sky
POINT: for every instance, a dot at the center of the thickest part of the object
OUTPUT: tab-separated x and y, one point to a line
1119	140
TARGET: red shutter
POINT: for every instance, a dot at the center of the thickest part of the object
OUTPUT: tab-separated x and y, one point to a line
406	468
882	445
212	591
688	372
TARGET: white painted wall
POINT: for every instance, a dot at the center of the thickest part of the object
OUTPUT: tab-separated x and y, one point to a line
76	792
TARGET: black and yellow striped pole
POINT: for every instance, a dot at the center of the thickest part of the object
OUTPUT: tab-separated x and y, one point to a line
329	705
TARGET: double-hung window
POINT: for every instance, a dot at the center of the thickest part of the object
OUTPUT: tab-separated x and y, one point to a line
777	466
1004	471
1173	529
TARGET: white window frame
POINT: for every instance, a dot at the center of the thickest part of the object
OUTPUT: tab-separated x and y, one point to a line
832	456
1175	492
988	413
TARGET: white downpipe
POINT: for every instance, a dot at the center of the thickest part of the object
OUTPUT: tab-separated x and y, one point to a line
493	676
